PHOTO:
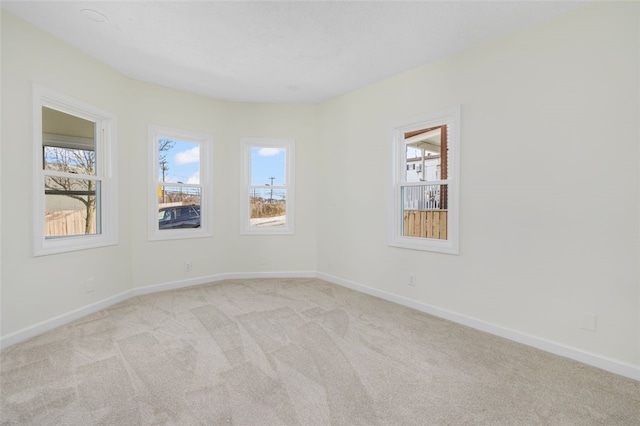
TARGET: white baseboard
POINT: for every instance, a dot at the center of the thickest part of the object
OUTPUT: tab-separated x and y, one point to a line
604	363
174	285
60	320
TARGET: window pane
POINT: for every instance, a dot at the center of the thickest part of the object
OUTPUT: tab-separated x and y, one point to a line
178	161
424	211
178	195
80	161
71	207
179	207
268	207
268	166
182	207
68	142
426	152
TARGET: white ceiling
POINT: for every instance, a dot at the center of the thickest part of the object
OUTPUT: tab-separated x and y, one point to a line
290	51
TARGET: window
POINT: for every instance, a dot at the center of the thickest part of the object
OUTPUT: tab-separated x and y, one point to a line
425	183
75	185
180	204
267	189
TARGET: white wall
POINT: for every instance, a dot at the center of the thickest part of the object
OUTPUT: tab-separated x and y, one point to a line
37	289
251	253
160	262
541	242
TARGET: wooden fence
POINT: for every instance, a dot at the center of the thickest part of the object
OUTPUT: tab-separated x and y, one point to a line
425	224
65	222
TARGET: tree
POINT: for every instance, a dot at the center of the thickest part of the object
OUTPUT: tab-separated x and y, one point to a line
76	161
164	145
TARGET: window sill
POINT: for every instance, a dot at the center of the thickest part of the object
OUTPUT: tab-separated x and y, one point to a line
69	244
422	244
179	234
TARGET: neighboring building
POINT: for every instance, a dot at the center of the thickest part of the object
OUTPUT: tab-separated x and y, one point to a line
423	169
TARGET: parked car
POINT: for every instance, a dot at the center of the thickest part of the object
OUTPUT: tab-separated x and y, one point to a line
179	217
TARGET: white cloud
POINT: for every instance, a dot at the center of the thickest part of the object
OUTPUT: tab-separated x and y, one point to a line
189	156
195	178
268	152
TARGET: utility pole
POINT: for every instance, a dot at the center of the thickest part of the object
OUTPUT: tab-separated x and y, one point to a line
164	168
181	199
271	196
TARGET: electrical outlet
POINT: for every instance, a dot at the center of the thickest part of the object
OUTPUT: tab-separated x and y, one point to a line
412	280
188	266
89	285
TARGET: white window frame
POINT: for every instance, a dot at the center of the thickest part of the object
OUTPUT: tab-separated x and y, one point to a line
106	155
206	184
450	117
289	186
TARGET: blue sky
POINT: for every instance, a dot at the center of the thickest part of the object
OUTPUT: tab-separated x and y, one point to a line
183	160
184	163
267	162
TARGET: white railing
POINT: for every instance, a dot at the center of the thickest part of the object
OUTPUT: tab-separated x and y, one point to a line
423	197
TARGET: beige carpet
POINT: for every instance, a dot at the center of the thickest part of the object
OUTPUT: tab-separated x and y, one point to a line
294	352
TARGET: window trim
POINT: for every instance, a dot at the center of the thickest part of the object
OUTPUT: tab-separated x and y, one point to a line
106	156
451	117
206	183
245	172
